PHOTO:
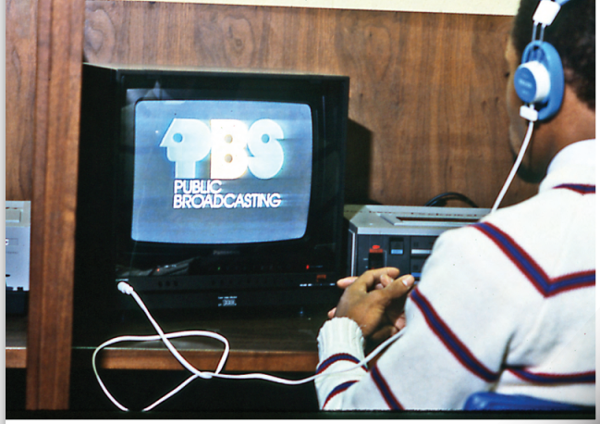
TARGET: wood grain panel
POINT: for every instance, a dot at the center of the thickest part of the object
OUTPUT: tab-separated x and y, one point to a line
282	361
59	47
268	343
20	96
427	90
16	358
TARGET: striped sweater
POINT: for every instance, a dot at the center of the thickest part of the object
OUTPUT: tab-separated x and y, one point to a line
505	305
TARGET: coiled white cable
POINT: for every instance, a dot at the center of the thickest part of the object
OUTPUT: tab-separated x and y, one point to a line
128	290
515	167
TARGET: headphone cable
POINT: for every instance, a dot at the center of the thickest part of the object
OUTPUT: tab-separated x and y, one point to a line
515	167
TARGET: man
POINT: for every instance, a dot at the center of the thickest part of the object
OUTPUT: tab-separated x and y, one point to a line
506	305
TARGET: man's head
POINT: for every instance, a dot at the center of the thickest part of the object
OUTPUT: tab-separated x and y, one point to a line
573	36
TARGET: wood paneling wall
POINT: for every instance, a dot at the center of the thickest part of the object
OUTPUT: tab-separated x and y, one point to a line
43	80
21	32
427	90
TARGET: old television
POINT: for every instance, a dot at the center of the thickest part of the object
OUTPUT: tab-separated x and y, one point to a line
206	189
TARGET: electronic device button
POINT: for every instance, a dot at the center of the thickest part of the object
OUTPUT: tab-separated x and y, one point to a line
376	257
416	267
396	246
422	245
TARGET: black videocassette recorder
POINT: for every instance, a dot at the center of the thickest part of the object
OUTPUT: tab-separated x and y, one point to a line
399	236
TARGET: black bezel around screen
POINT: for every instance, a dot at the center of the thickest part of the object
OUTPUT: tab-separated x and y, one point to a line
318	251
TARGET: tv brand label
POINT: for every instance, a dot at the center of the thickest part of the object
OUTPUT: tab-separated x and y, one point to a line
208	194
233	147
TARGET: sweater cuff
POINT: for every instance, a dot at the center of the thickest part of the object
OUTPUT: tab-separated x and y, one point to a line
341	335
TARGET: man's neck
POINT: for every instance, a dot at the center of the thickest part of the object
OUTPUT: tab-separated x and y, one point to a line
575	122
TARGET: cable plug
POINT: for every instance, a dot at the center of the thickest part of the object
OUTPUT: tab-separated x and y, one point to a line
529	113
125	288
547	11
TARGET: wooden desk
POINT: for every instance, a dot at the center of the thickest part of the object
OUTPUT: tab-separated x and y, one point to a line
284	347
261	344
278	344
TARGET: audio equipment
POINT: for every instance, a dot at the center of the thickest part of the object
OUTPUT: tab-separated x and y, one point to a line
399	236
539	80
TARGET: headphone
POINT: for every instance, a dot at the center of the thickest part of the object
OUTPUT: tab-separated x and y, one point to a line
539	80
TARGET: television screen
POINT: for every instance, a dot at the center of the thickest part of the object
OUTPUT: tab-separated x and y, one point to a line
221	171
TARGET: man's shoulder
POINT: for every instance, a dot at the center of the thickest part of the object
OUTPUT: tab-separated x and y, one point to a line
561	214
551	206
550	227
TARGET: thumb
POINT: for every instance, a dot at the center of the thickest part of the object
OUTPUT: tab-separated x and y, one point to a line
400	286
331	313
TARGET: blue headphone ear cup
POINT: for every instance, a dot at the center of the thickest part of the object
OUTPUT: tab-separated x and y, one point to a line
540	78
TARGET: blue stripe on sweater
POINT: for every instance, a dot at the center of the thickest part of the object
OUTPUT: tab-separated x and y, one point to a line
550	378
385	390
335	358
545	285
339	389
583	189
450	340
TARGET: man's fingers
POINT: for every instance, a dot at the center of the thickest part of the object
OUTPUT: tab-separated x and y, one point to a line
400	322
400	286
369	279
369	297
347	281
384	333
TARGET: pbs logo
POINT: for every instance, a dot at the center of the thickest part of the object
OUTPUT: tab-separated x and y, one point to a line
234	148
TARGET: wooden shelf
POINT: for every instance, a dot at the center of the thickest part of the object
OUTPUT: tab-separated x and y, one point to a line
16	342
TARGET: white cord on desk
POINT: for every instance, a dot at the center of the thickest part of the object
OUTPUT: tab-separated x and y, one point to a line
127	289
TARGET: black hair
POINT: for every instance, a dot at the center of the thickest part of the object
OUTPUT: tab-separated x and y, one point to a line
573	35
